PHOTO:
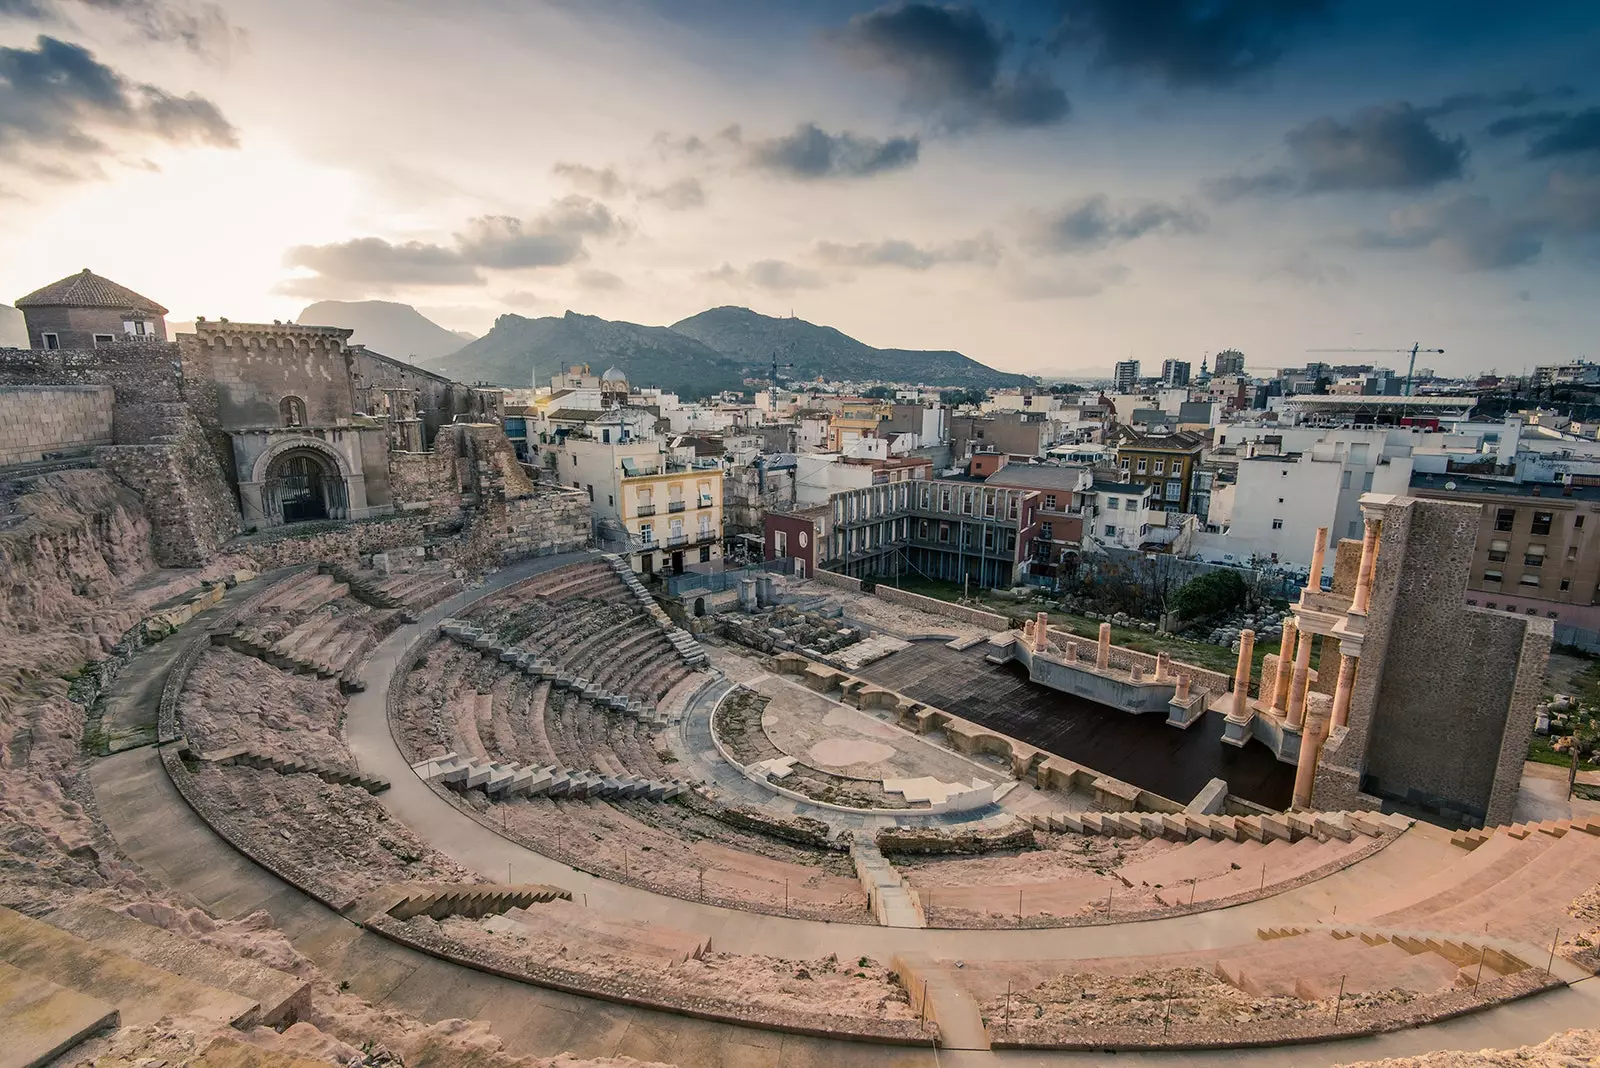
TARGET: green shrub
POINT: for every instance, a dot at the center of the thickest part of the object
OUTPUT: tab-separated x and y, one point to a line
1210	594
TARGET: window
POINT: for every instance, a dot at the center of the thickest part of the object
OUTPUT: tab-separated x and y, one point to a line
1541	522
1284	473
1050	501
1366	482
1344	480
1529	580
1047	532
1277	524
1490	604
101	340
705	554
1111	532
988	537
647	532
966	503
1532	558
944	532
611	501
1143	530
1497	551
1113	503
1143	464
1472	601
1577	522
1566	584
51	341
780	543
922	529
1505	518
1491	576
1174	490
591	493
1161	467
1124	460
292	410
1280	500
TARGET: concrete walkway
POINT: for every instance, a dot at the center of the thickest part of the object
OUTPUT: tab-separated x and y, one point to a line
157	829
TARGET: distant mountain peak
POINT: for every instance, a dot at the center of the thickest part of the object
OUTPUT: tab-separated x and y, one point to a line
386	326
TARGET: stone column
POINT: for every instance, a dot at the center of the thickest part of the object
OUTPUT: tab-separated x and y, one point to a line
1183	689
1305	772
1102	658
1301	683
1163	667
1369	561
1318	552
1241	676
1341	693
1041	632
1285	673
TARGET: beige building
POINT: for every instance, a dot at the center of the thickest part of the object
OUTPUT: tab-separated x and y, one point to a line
1537	551
667	508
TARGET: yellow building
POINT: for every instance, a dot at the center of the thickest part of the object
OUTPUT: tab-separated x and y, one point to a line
673	514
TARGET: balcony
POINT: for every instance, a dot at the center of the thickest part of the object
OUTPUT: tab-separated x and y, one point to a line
152	338
675	506
647	509
705	502
678	541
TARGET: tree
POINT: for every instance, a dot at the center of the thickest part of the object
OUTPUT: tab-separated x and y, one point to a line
879	393
955	398
1210	594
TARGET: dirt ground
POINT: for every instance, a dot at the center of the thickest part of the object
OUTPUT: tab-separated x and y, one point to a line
1571	1049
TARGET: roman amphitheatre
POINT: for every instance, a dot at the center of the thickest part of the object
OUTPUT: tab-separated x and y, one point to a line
441	784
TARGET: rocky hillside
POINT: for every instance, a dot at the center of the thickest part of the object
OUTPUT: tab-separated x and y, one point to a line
397	330
715	350
520	351
753	340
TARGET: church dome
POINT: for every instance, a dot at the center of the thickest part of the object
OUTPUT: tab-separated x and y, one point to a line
613	374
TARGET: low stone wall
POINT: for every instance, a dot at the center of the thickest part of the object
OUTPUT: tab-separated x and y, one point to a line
976	617
645	996
932	841
1124	659
837	581
802	830
1353	1023
38	421
344	542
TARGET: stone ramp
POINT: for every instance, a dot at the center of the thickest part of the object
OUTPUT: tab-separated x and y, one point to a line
142	993
280	997
893	902
940	997
40	1020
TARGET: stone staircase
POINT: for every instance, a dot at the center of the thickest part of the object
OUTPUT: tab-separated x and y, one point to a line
530	663
403	901
1470	840
508	779
689	650
83	969
329	773
251	643
893	902
367	592
1186	827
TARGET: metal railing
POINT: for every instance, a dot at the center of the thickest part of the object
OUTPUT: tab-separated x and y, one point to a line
647	509
675	506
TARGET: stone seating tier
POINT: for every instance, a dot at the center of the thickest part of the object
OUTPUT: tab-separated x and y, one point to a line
505	780
588	932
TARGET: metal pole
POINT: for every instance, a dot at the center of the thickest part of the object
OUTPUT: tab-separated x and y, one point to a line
1191	890
1482	951
1109	892
1019	907
786	897
1263	875
924	1001
1551	963
1008	1005
1338	1000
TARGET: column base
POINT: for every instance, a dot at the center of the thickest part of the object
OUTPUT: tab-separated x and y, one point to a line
1236	732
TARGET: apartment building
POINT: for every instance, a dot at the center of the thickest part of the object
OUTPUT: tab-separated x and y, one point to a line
666	510
956	530
1538	549
1164	462
1121	512
1065	504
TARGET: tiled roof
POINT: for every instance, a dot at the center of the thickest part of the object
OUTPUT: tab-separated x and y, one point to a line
88	290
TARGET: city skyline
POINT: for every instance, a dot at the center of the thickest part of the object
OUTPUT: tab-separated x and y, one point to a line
1046	191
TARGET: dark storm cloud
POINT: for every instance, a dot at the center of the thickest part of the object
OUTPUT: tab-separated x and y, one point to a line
1391	146
596	181
1211	43
375	262
1465	231
1388	147
201	28
777	276
57	96
553	238
907	254
949	59
1512	125
1574	134
1093	222
681	195
811	153
1509	99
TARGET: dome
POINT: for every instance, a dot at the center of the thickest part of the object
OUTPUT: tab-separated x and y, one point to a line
613	374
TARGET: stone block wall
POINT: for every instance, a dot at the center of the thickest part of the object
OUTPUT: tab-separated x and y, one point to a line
1443	700
421	480
342	543
1123	659
39	421
144	375
974	616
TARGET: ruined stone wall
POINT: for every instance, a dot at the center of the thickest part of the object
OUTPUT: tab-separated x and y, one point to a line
344	543
974	616
145	377
1436	714
253	368
37	422
421	480
439	400
1346	563
191	508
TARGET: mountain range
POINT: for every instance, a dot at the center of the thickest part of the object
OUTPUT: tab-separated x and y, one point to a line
714	350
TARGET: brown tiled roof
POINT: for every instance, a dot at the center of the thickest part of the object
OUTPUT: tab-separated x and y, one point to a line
88	290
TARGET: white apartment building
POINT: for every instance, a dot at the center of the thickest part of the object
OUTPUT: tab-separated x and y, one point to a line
1121	514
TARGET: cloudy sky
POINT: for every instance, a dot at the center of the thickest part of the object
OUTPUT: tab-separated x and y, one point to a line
1047	186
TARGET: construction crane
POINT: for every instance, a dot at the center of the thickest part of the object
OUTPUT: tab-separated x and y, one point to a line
776	366
1411	367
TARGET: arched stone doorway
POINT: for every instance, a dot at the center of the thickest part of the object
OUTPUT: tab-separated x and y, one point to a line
303	485
699	606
